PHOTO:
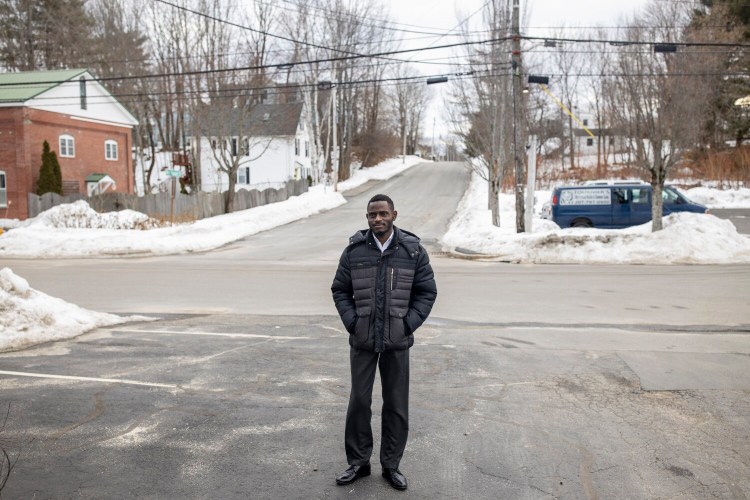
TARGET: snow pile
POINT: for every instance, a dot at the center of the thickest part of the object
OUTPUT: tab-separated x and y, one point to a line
717	198
80	215
29	317
686	238
381	171
41	240
9	223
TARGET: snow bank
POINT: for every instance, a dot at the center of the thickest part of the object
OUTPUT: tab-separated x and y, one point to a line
80	215
42	240
9	223
30	317
717	198
686	238
381	171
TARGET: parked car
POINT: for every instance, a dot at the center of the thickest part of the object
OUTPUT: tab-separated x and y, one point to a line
614	205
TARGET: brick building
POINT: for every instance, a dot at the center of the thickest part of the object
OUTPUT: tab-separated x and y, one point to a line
82	122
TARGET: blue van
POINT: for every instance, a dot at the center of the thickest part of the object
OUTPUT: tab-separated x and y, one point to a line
613	206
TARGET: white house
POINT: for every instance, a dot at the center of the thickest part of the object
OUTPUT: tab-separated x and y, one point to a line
269	140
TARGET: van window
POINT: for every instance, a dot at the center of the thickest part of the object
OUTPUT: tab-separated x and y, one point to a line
619	196
669	196
640	196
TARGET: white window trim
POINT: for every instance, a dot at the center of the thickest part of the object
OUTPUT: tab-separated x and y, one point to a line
110	142
4	190
68	147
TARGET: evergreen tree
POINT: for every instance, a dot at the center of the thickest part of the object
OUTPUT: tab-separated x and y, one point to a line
57	171
48	173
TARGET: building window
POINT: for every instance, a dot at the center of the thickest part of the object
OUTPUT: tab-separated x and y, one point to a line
589	141
243	175
307	149
611	141
234	146
110	150
83	92
585	122
3	191
296	147
67	146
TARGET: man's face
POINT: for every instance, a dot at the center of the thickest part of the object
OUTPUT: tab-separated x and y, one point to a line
380	217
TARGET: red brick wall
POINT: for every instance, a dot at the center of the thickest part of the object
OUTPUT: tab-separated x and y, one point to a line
24	130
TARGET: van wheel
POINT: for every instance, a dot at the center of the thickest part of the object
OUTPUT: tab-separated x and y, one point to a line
581	223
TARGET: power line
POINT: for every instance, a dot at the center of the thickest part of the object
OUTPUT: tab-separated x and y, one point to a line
261	32
265	66
634	42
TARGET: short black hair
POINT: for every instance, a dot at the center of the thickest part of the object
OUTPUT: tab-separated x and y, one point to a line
381	197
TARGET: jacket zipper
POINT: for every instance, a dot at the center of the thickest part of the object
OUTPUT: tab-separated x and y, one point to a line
391	279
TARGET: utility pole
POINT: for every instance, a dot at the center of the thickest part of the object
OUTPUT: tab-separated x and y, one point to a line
335	159
403	126
517	113
432	152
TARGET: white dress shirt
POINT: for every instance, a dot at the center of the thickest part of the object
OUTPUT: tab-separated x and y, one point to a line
385	245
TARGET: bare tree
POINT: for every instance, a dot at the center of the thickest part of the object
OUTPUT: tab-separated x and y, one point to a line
660	97
481	111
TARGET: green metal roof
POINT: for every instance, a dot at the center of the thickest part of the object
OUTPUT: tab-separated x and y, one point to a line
20	87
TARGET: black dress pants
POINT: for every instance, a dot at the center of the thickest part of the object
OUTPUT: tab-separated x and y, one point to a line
394	377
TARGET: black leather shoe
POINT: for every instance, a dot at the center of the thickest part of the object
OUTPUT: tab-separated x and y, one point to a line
353	473
395	477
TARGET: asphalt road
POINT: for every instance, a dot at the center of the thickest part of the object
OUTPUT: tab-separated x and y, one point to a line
527	381
740	217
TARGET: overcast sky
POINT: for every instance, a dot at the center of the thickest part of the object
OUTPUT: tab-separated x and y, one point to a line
541	15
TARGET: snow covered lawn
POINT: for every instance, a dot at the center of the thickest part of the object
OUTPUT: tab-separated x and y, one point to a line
685	239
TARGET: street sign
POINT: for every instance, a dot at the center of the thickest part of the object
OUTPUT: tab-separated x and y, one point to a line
173	173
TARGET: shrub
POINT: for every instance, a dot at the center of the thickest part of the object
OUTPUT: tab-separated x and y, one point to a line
50	175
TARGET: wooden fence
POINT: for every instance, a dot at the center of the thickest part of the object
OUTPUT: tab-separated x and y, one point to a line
194	206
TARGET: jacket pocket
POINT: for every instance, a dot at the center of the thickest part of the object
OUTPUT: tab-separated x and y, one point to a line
362	328
397	328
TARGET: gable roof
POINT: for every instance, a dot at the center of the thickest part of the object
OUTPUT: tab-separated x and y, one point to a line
262	120
20	87
275	119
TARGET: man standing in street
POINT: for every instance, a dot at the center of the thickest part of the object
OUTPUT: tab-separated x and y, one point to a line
384	290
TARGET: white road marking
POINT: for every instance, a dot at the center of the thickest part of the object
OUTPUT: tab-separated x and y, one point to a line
210	334
86	379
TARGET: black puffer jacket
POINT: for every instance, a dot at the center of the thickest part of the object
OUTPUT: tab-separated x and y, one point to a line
383	299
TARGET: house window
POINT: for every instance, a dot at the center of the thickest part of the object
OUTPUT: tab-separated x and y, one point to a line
296	147
589	141
585	122
213	143
3	191
243	175
83	92
307	149
611	141
110	150
234	146
246	147
67	146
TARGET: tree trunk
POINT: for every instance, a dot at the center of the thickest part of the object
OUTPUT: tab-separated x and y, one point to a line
657	205
229	202
494	202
